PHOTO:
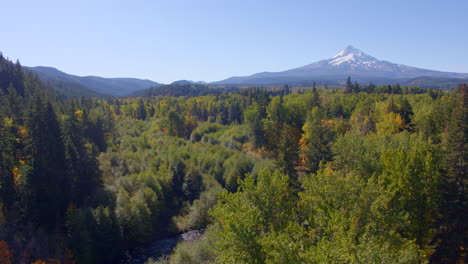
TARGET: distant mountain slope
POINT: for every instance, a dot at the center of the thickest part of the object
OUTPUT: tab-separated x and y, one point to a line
348	62
67	87
92	84
436	83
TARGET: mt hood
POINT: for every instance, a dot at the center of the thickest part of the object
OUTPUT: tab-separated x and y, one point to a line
347	62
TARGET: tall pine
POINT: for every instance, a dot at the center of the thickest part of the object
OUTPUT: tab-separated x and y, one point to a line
7	161
316	141
349	86
454	211
82	168
47	184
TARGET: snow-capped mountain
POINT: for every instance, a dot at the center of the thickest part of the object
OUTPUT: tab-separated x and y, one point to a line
347	62
352	57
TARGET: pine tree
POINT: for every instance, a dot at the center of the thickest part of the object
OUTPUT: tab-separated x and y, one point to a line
349	85
389	89
277	116
391	107
356	88
253	118
7	161
316	141
47	186
315	100
396	89
286	90
288	151
454	210
176	125
82	170
151	111
406	112
141	111
370	88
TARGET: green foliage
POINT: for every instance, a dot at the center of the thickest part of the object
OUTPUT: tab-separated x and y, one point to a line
7	162
242	218
197	216
387	171
288	150
176	125
141	111
410	177
253	117
203	129
316	140
193	252
340	215
81	158
94	234
47	184
406	112
453	184
235	167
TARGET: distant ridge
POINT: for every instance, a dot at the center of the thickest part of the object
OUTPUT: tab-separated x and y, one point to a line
91	85
349	61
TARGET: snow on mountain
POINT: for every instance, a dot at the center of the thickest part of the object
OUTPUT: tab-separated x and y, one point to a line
349	61
352	56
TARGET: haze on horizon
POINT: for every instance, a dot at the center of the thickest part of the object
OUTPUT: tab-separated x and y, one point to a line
212	40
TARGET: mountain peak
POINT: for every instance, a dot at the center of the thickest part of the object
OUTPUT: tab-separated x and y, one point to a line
349	61
351	55
346	51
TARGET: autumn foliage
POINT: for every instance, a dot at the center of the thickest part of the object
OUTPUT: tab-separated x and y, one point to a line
6	255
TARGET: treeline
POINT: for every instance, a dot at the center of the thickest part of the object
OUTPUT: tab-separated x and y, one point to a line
190	90
355	87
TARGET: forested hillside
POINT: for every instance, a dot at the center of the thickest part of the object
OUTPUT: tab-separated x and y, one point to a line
89	86
362	175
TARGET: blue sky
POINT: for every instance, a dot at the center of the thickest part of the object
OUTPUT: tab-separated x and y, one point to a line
214	39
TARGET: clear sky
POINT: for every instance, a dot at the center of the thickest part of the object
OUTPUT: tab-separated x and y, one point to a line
211	40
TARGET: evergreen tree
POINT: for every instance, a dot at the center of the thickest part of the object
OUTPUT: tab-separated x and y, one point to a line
47	185
316	141
391	107
235	113
277	116
433	94
315	100
389	89
288	151
454	210
253	117
7	161
141	111
151	111
349	86
396	89
406	112
82	166
285	90
176	125
370	88
356	88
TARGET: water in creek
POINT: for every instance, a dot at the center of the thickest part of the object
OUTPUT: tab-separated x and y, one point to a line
159	247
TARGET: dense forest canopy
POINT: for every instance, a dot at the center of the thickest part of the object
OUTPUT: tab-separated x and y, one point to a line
367	174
